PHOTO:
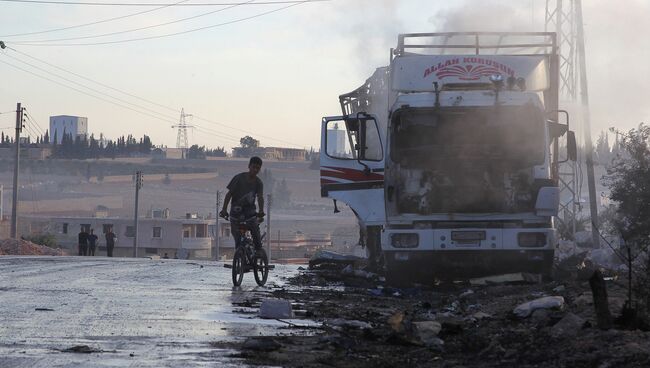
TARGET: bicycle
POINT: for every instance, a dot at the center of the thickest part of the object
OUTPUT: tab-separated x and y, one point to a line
246	258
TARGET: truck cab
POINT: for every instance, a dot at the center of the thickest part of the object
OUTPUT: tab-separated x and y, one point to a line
459	150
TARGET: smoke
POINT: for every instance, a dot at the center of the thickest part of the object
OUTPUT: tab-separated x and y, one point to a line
615	41
486	16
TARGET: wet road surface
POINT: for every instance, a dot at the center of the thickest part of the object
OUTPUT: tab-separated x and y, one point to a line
133	312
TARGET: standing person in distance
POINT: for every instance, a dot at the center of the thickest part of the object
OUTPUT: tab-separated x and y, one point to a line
83	241
243	189
110	242
92	243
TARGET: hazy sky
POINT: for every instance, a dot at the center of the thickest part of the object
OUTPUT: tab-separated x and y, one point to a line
274	75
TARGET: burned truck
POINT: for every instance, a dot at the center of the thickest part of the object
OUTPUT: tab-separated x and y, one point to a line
449	155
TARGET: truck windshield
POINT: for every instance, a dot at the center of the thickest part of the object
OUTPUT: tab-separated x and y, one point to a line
512	135
466	160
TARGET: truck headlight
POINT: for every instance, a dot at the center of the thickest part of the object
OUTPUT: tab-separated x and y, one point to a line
404	240
531	240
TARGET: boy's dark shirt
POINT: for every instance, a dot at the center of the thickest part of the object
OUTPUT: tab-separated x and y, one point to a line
110	238
244	191
83	238
92	239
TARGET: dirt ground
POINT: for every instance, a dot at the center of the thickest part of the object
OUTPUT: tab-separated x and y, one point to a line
366	323
26	248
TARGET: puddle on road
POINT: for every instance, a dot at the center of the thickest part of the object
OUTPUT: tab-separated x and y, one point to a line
249	316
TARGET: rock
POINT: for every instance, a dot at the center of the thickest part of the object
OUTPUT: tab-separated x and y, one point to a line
350	271
480	315
451	325
275	308
83	349
567	326
540	316
548	302
261	344
339	322
510	278
466	294
559	289
427	332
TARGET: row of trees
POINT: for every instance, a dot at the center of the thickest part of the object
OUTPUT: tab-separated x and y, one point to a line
81	147
200	152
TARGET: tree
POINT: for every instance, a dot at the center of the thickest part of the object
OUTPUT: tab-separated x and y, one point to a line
603	152
196	152
629	181
248	146
249	142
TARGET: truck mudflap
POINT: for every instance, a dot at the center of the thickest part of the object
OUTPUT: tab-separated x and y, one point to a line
427	266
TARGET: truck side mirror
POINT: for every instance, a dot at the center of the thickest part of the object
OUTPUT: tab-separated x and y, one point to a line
571	147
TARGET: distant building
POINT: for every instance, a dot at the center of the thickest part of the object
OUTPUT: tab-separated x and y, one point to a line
66	124
272	153
167	153
184	237
336	142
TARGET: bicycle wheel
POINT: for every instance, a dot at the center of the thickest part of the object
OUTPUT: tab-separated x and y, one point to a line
238	264
260	267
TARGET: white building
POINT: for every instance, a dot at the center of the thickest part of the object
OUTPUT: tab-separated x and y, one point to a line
336	142
66	124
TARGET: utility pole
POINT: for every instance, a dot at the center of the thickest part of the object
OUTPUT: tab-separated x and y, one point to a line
269	198
14	209
584	98
138	185
217	231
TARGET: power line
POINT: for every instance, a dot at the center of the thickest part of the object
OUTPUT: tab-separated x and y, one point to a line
36	125
154	4
90	88
91	80
164	35
148	101
84	92
93	23
137	29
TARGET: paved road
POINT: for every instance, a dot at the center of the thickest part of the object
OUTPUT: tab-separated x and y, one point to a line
136	312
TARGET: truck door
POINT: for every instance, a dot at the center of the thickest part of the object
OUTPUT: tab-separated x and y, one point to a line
352	165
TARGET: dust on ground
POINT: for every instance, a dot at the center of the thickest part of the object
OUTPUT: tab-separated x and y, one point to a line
22	247
366	323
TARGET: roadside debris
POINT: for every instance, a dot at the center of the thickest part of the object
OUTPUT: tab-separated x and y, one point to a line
21	247
330	258
548	302
363	322
275	308
568	326
510	278
82	349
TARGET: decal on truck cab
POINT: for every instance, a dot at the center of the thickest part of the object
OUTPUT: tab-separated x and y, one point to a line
473	69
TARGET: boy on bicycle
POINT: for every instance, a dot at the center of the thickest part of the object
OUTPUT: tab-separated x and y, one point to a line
243	189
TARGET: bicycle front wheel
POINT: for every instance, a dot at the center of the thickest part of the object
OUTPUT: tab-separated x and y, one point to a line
238	264
261	267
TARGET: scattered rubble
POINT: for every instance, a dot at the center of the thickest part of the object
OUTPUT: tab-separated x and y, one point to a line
20	247
548	302
367	323
275	308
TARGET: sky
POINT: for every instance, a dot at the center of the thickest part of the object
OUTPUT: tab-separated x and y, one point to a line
271	71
